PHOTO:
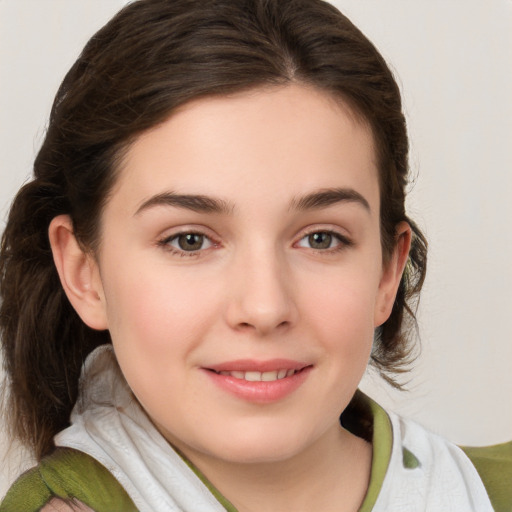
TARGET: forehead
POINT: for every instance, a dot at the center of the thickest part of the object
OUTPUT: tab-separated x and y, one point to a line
267	141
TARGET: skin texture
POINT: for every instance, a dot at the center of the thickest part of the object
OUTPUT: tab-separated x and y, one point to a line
258	288
57	505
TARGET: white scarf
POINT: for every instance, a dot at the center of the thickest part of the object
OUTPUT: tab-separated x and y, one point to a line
108	424
445	480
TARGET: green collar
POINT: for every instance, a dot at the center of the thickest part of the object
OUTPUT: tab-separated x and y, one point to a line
382	443
364	418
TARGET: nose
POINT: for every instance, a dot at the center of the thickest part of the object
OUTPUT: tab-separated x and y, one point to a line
261	297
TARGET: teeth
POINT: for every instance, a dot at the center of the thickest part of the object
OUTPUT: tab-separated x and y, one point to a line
269	376
259	376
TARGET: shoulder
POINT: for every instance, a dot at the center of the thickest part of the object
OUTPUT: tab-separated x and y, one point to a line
72	476
494	465
443	472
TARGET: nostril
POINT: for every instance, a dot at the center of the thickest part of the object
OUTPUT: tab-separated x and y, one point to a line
248	325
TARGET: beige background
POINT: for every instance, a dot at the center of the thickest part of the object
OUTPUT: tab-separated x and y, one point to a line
452	58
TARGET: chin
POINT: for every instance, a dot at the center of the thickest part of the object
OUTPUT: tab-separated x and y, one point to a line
259	445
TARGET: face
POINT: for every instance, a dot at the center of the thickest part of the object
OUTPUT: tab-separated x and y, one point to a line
240	271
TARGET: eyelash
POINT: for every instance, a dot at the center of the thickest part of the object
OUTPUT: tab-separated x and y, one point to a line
343	241
165	243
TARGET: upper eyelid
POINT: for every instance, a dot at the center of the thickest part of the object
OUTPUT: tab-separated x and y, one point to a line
192	229
309	230
185	232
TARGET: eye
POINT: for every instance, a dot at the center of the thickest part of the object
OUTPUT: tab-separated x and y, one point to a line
321	240
188	242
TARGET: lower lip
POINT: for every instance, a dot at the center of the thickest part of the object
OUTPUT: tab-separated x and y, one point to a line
260	391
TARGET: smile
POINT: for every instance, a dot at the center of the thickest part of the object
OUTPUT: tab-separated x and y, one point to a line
259	382
260	376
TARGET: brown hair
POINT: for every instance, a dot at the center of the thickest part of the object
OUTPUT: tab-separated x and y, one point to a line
153	56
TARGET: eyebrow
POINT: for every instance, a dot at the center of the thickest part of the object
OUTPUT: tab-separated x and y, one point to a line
206	204
328	197
196	203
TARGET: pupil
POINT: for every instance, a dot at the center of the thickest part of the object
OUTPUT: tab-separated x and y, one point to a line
320	240
190	242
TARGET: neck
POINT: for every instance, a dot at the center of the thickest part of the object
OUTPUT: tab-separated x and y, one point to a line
331	474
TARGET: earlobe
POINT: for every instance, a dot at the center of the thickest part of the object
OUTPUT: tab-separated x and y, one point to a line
392	274
79	274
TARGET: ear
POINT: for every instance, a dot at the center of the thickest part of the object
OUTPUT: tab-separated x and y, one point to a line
79	274
392	273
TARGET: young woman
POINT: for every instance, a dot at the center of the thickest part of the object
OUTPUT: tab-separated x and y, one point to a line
213	247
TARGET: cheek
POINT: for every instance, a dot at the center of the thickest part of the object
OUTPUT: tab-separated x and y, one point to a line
156	322
345	303
156	317
341	316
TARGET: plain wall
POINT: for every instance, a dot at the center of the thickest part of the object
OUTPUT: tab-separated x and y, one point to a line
452	59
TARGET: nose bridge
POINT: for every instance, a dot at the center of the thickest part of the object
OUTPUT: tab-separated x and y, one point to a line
261	297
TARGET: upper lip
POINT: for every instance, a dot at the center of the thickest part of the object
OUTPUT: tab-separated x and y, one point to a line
251	365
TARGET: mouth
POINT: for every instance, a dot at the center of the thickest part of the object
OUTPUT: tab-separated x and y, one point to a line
255	376
259	382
